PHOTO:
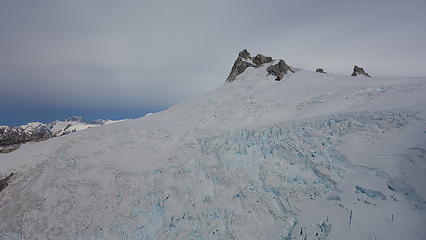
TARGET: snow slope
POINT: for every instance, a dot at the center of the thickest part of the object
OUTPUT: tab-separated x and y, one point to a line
314	156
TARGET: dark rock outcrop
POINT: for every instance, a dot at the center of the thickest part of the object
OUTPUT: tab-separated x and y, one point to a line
10	148
239	66
244	61
359	71
5	181
279	70
244	54
261	59
320	70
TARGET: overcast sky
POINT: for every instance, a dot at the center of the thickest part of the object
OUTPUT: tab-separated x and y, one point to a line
123	58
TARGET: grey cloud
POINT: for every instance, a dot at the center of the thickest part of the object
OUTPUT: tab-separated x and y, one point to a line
128	53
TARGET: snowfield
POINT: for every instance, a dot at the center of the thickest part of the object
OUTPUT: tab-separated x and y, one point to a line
313	156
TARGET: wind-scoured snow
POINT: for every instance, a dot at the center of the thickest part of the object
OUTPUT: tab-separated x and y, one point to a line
313	156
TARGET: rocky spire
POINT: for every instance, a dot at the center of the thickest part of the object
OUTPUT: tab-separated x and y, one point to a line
240	65
359	71
279	70
244	54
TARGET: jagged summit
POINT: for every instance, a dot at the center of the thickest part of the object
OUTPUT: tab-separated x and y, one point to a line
239	66
244	54
277	67
244	60
359	71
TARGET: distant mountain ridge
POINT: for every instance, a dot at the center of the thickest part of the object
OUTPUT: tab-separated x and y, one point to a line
36	131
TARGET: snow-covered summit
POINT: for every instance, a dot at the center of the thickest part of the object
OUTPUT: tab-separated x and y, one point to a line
74	124
313	156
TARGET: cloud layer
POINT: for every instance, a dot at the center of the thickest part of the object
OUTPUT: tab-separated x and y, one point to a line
131	54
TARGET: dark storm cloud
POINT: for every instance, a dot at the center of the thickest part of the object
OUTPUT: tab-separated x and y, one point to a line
92	53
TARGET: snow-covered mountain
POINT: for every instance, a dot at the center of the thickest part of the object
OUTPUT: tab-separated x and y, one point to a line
36	131
75	124
312	156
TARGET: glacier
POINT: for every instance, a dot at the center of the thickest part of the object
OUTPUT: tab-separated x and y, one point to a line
313	156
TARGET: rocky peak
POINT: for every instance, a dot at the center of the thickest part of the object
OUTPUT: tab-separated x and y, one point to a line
359	71
244	60
279	70
261	59
320	70
244	54
239	66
